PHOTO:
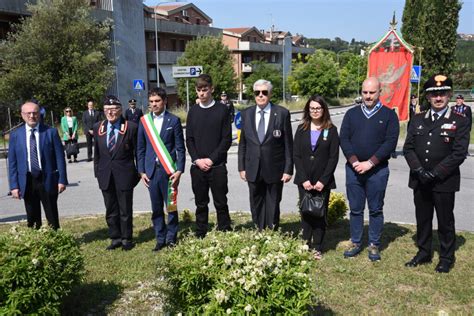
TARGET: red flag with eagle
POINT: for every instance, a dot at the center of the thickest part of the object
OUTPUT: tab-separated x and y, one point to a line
391	61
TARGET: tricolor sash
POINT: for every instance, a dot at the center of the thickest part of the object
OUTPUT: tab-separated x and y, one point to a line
163	156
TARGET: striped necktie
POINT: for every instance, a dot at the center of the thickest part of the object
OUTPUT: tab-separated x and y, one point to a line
112	140
35	167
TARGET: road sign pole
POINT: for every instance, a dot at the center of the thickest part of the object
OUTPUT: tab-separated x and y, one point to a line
187	95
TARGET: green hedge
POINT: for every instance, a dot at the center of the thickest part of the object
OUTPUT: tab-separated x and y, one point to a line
38	268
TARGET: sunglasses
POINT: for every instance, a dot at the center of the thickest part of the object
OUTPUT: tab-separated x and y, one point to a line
257	92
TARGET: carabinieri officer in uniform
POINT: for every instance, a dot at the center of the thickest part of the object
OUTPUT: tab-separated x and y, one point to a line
435	147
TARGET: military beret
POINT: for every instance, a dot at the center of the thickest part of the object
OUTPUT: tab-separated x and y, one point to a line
112	100
438	83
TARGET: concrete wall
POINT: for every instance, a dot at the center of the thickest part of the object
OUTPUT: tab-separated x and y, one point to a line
129	50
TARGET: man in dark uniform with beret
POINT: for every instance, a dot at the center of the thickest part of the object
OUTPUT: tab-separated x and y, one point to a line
133	113
434	148
463	109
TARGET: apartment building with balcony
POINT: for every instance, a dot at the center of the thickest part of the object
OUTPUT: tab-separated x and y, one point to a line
249	44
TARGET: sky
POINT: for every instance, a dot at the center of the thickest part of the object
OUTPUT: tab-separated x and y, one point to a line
364	20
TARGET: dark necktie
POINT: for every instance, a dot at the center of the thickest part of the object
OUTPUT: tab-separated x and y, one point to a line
35	167
435	116
261	127
112	140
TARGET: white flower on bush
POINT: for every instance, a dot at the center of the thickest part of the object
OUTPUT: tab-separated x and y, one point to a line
304	262
248	308
228	260
228	311
305	247
220	296
35	262
239	260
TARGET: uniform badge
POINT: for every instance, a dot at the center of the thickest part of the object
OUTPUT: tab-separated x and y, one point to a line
277	133
420	127
447	139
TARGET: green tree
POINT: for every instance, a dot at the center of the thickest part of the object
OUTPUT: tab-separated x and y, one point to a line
216	60
317	75
58	56
432	25
352	75
262	70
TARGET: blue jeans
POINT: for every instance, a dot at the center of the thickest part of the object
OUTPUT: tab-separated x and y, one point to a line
158	189
371	187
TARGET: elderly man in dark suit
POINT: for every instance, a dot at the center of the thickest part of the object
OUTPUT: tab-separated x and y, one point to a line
435	147
89	118
158	173
133	113
37	168
265	158
115	143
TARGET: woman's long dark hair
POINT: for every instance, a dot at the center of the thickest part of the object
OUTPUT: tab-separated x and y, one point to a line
326	118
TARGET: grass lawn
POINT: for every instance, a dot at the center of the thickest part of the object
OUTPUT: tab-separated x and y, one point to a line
119	282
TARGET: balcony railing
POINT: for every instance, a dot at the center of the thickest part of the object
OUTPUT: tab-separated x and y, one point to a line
164	57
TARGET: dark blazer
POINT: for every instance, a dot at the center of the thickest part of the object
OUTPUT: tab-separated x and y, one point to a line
52	159
134	117
89	121
439	146
274	156
317	165
121	162
172	136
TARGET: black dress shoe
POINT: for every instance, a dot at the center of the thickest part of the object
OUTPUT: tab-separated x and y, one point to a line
128	245
159	246
443	266
416	261
114	245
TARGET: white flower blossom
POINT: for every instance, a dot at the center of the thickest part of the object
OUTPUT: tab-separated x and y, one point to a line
239	260
35	262
305	247
303	262
248	308
211	262
228	260
228	311
220	296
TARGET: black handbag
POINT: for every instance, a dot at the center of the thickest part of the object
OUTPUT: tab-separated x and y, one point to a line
72	148
313	204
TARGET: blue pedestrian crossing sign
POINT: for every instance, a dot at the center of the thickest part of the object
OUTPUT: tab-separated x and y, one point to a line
415	74
138	84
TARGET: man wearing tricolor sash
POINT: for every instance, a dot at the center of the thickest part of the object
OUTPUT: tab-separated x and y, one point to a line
161	159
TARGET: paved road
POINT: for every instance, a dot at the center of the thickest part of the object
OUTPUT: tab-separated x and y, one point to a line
83	196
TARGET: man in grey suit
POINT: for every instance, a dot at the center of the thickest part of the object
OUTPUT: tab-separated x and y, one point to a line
265	155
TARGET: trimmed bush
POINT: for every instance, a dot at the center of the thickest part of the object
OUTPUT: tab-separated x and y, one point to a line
244	272
337	207
38	268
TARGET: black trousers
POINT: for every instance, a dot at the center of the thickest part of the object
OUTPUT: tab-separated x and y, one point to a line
90	142
314	228
118	212
216	180
265	203
35	195
426	201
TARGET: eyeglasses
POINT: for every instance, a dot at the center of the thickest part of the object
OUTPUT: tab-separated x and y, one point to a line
319	109
257	92
113	110
30	113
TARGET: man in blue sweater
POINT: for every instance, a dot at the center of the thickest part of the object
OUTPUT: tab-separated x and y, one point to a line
369	134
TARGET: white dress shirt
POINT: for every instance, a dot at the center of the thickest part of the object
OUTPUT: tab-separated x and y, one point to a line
266	115
37	136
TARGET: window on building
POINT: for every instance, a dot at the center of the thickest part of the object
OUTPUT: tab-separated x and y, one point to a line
184	12
198	21
182	45
174	47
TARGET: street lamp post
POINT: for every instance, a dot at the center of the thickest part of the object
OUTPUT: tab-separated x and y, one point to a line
156	51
